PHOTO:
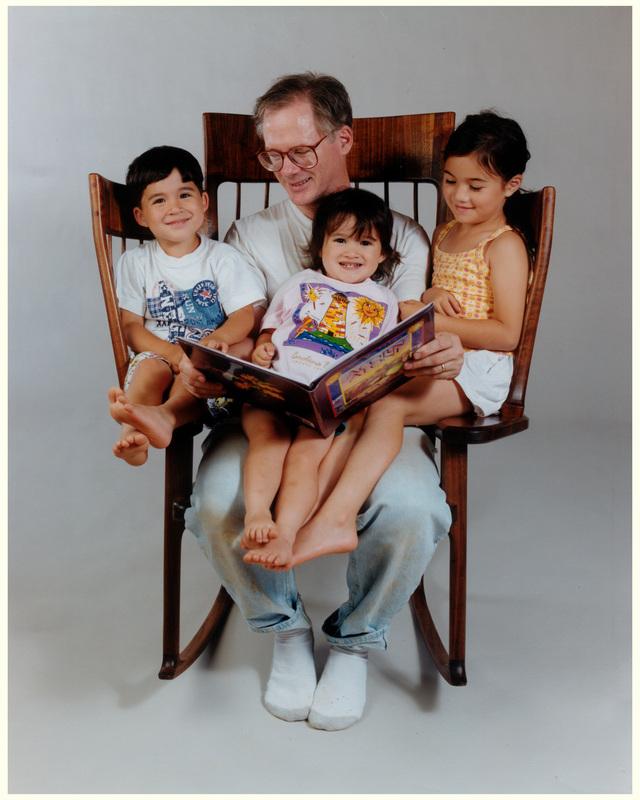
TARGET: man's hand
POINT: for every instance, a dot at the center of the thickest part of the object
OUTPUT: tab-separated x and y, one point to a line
440	358
195	382
443	301
264	354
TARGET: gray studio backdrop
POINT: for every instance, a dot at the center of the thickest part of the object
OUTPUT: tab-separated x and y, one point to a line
91	87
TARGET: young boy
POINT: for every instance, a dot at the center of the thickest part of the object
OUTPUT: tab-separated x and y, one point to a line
180	284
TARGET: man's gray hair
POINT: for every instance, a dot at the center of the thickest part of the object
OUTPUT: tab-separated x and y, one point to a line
328	97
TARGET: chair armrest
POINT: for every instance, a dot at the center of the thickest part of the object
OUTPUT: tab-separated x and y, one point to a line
470	429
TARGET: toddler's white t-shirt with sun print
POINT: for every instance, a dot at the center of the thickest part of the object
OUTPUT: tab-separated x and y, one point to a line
189	296
316	320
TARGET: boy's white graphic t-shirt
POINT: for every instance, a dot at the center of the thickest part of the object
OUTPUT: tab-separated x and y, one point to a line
316	320
189	296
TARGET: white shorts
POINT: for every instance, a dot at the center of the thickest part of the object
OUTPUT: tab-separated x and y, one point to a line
485	379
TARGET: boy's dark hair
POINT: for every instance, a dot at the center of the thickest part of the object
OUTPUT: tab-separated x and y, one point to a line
369	212
500	146
157	164
328	97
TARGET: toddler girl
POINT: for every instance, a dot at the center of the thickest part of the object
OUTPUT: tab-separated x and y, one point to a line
316	316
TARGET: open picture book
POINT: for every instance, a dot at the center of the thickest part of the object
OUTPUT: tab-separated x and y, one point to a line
352	382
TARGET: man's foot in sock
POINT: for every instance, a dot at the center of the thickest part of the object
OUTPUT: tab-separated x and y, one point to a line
259	528
275	554
341	693
133	448
153	421
322	536
293	675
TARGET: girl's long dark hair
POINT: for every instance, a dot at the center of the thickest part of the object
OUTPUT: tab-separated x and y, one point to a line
500	146
369	213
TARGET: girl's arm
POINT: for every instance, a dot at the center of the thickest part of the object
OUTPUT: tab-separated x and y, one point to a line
140	339
507	257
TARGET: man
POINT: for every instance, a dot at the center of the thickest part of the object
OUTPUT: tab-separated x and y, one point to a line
305	124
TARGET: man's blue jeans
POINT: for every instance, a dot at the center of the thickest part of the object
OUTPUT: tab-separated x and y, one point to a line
398	530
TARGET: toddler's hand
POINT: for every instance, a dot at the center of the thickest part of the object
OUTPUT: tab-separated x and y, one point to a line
409	307
443	301
264	354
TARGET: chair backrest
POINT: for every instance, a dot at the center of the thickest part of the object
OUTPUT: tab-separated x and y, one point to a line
387	150
112	217
539	212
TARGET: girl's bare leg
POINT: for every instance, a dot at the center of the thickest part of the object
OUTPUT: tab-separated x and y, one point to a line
296	498
421	401
269	440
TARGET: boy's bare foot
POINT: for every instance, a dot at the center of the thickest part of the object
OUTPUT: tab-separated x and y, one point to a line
115	394
324	536
153	421
259	528
132	448
276	554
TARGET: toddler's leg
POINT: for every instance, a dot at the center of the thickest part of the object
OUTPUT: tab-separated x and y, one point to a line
296	498
269	439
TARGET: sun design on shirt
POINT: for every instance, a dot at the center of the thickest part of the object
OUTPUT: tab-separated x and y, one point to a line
368	311
311	295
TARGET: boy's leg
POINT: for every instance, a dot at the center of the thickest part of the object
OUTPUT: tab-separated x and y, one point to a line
269	440
158	422
296	497
147	380
267	600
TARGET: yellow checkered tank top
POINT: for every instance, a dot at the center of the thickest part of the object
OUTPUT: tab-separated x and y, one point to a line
466	275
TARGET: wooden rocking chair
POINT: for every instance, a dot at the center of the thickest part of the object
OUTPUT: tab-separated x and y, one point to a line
387	150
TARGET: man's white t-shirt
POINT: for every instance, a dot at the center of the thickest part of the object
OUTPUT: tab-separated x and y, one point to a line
274	242
317	319
189	296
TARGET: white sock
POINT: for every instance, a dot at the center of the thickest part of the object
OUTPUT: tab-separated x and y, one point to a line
342	690
293	675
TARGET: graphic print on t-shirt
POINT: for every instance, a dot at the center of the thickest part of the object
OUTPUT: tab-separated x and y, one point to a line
333	322
191	313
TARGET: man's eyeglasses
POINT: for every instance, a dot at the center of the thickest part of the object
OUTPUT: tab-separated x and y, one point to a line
304	155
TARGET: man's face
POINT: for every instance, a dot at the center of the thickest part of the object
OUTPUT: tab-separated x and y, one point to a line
294	125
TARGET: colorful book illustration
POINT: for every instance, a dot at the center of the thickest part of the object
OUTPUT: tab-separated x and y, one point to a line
352	382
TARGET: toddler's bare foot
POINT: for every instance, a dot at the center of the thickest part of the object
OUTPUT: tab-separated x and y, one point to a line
276	554
132	448
323	536
153	421
259	528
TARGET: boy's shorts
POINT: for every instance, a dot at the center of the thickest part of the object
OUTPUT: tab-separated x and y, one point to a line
137	360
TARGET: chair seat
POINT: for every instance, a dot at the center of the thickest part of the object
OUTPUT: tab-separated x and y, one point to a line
469	429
